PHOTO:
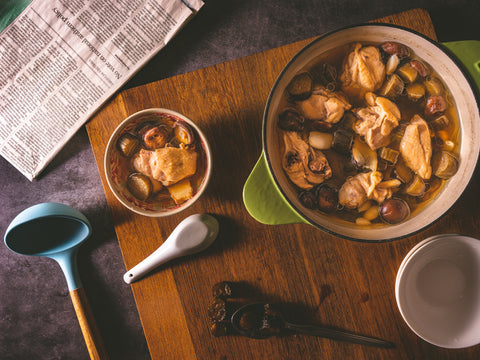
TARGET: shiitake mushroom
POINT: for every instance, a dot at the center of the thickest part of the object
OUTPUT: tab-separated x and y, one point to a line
156	137
128	144
183	133
323	197
327	198
139	186
308	199
301	87
291	120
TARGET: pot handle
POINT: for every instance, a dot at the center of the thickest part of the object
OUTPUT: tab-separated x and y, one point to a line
263	200
468	52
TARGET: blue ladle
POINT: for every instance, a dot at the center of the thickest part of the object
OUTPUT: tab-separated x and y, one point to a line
56	231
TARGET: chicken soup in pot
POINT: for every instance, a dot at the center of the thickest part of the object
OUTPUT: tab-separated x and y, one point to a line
368	133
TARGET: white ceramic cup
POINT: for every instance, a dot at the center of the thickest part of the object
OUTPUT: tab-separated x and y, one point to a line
438	290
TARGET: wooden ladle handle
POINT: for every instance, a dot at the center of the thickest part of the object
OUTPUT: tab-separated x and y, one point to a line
90	331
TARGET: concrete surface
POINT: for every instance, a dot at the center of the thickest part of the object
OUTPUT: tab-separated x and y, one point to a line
37	320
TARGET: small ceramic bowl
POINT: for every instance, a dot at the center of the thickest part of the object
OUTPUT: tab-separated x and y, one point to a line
438	290
118	167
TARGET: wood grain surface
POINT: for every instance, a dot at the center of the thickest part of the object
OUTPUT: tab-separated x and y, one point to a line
319	278
88	324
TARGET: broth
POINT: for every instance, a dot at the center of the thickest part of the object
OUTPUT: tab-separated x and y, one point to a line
162	160
364	149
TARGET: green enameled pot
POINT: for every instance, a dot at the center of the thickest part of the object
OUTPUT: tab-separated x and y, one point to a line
271	199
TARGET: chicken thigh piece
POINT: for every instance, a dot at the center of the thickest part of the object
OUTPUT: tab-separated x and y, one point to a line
304	166
324	105
416	147
168	165
377	121
362	187
363	71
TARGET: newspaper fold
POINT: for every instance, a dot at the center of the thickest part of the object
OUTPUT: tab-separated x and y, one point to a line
61	60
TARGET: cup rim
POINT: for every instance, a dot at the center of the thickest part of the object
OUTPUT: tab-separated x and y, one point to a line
407	261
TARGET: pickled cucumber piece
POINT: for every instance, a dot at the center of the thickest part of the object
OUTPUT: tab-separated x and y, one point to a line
408	73
403	173
139	186
342	141
416	187
441	122
393	86
389	155
415	91
128	144
433	85
399	132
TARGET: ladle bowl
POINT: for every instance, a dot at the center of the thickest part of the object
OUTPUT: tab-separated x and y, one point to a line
56	231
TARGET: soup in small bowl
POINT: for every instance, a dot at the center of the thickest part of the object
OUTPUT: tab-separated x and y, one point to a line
157	162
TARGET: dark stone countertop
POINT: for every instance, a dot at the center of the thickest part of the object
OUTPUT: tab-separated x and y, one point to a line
37	319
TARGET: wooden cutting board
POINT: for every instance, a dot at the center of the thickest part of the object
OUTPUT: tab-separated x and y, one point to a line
319	277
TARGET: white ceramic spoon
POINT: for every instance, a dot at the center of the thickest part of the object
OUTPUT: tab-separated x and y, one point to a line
194	234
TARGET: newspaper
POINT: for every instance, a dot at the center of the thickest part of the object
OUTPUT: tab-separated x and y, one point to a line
60	60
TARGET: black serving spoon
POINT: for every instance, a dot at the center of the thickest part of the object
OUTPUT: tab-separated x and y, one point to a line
261	321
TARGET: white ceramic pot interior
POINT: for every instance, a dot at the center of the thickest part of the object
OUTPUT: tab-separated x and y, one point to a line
438	290
452	77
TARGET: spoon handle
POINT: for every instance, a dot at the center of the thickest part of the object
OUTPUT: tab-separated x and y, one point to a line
90	331
160	256
335	334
